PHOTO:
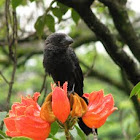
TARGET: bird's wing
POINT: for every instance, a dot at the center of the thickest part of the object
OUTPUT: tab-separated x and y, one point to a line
77	73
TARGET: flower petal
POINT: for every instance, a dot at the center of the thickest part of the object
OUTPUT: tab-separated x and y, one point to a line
46	110
33	127
35	96
13	133
65	86
86	95
79	106
10	123
60	104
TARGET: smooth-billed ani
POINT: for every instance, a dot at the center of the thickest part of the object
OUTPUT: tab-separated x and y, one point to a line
61	63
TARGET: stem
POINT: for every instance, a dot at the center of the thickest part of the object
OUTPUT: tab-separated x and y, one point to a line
95	136
67	133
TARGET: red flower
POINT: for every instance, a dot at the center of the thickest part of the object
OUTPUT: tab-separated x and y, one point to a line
24	120
60	103
56	105
99	108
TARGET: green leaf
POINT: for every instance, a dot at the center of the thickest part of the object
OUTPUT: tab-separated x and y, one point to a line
57	12
54	128
62	7
39	25
16	3
135	90
137	137
21	138
80	133
2	135
75	16
52	137
49	21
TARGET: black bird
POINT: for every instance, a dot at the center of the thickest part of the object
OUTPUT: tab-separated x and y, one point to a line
61	63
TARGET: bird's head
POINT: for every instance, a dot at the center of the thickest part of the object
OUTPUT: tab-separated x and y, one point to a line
59	39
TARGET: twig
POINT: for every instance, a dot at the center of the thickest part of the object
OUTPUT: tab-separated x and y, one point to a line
67	133
49	8
92	65
44	87
1	125
6	18
95	73
12	53
43	84
4	78
95	136
45	93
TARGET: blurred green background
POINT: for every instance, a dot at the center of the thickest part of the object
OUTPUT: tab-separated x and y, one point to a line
99	70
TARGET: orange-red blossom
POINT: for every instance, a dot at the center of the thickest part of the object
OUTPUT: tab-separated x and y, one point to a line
99	108
58	106
24	120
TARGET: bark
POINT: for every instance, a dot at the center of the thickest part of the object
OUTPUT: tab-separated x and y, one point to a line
123	25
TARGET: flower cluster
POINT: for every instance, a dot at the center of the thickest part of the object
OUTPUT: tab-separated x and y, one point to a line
27	118
24	120
58	106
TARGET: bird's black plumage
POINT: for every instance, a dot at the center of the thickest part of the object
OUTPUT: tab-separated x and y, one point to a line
61	63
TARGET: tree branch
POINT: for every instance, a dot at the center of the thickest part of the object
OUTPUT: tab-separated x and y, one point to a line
123	25
109	41
44	82
4	78
83	40
12	53
103	77
119	56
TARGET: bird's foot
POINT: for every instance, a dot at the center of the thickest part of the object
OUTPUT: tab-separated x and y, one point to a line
72	91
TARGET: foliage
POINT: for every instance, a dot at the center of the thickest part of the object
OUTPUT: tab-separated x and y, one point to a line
135	90
137	137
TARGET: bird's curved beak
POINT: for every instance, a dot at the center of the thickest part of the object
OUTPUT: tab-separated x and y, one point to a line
69	40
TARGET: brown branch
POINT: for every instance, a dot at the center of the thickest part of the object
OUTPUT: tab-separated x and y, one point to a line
78	42
4	78
43	84
45	93
83	40
7	3
123	25
109	41
11	86
119	56
28	56
13	55
90	69
96	74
